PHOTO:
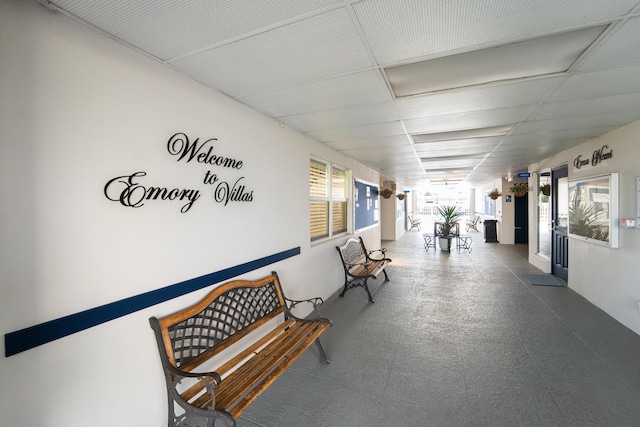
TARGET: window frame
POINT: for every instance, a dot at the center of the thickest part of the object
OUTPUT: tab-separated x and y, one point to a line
331	200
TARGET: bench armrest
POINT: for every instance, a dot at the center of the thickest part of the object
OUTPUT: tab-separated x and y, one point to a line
291	304
210	378
383	251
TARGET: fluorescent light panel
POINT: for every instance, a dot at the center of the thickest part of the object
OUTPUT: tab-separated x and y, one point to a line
529	58
462	134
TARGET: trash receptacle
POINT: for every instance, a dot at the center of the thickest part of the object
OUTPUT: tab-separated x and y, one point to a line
490	230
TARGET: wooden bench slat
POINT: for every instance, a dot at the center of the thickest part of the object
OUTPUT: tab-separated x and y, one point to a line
231	363
240	380
240	360
239	408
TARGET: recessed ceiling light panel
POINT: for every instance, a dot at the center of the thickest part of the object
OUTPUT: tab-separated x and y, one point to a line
463	134
529	58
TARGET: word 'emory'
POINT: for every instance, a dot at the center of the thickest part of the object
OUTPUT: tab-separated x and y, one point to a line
129	192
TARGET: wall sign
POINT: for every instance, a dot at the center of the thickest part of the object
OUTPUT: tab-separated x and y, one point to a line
134	190
366	204
596	158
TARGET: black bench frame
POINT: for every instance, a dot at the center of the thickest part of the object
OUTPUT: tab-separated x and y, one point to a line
359	266
189	340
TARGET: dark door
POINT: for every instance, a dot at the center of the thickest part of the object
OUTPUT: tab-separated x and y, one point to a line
559	222
522	219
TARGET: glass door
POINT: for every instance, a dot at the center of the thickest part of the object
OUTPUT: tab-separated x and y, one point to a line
544	214
559	222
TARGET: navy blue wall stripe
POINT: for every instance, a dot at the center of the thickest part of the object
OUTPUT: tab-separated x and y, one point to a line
25	339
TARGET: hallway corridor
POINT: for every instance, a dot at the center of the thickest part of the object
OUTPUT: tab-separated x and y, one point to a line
460	339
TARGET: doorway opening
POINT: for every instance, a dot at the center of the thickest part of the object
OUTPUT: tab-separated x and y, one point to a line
560	222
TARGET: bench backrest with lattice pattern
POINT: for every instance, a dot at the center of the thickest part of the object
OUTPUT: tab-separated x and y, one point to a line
353	251
227	314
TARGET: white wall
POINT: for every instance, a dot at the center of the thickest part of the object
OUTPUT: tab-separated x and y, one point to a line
76	110
608	277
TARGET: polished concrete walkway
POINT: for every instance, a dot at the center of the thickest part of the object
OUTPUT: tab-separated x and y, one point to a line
461	340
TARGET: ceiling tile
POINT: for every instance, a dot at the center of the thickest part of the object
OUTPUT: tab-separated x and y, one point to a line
532	137
581	122
490	97
342	117
370	143
430	27
379	157
307	50
470	120
361	132
476	152
588	107
598	83
430	165
621	48
485	144
340	92
167	28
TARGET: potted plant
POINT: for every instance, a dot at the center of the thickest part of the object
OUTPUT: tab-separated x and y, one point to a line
450	215
519	189
386	193
494	194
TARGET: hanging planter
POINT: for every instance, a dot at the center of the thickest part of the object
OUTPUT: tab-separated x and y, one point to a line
386	193
519	189
545	189
494	194
401	196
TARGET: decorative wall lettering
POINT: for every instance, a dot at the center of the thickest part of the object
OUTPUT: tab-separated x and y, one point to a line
596	158
179	145
133	194
578	162
600	155
130	192
235	193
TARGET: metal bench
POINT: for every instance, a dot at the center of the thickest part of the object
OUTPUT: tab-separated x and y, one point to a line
225	322
359	266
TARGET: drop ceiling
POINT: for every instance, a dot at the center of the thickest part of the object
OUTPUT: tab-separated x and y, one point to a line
345	72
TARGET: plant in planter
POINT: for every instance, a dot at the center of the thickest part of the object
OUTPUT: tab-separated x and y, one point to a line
386	193
450	216
519	189
494	194
401	196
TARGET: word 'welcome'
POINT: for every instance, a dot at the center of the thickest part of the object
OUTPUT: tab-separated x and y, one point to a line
201	152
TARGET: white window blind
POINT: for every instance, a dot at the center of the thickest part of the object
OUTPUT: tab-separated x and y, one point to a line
328	200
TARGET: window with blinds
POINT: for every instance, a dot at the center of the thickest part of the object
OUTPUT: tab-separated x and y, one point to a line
328	200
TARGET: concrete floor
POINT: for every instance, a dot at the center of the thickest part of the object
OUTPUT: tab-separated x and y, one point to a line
460	339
